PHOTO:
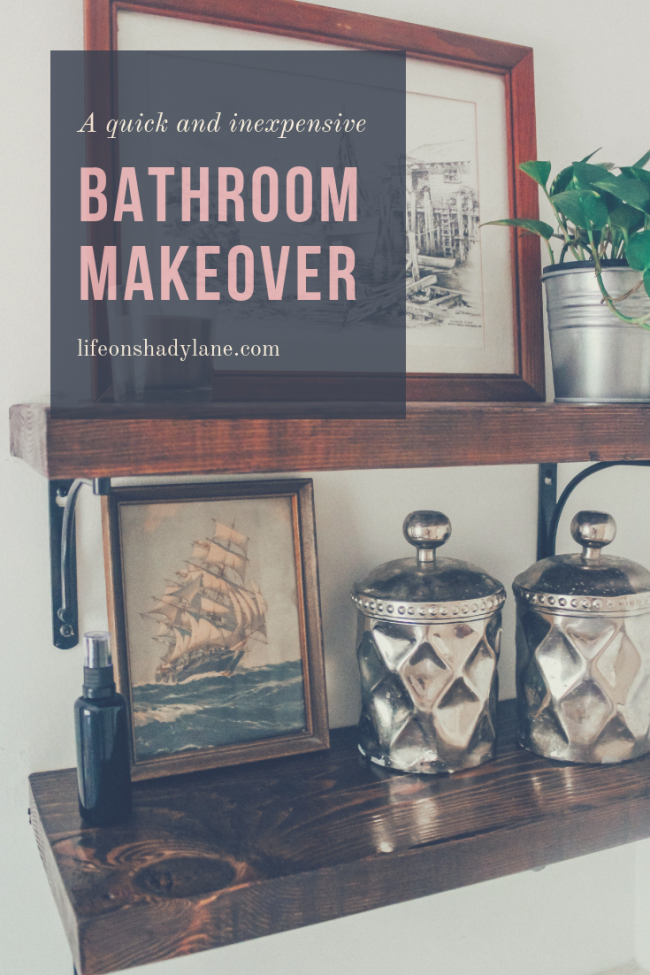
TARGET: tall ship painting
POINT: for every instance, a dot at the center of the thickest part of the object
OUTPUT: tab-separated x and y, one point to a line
210	617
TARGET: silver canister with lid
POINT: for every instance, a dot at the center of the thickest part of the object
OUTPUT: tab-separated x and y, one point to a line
429	638
583	651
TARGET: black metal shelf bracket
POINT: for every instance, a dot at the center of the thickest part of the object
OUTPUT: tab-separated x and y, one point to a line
550	511
546	499
63	556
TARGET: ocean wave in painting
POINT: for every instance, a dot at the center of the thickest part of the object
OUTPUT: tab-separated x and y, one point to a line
215	709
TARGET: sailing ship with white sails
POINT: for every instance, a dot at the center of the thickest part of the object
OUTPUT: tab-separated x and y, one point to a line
207	618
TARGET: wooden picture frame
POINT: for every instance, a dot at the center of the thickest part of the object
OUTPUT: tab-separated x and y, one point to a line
514	63
237	672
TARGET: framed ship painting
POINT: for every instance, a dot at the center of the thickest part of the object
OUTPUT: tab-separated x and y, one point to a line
214	607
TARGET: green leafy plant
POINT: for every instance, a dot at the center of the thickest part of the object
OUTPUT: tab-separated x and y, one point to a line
602	212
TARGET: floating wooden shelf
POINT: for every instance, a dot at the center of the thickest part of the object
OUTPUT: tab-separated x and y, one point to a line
120	442
219	857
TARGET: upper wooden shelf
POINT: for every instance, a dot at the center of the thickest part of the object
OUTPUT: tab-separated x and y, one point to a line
218	857
119	442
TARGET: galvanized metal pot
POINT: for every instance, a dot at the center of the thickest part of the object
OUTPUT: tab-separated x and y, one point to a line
597	357
429	637
583	651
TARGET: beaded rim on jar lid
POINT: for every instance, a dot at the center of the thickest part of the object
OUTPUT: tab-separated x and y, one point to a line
447	612
632	604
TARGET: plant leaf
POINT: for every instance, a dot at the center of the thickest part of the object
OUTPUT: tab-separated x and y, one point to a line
586	175
537	170
626	218
640	163
583	209
638	251
628	190
633	172
631	191
570	205
596	211
611	202
562	180
533	226
564	177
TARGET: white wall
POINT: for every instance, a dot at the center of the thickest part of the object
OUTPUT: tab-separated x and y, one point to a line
575	918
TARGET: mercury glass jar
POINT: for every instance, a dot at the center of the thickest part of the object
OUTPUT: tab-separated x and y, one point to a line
429	637
583	651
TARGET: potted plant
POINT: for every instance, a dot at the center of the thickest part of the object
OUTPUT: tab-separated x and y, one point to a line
597	291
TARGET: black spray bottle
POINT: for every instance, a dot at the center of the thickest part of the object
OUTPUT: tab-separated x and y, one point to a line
103	774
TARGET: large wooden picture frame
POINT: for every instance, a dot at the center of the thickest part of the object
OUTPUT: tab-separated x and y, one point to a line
512	62
215	615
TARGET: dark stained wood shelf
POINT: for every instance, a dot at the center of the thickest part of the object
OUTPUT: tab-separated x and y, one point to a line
120	442
223	856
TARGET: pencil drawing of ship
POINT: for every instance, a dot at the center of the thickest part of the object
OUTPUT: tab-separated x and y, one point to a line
209	616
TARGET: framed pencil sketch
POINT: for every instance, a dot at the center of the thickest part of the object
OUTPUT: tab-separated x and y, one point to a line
474	328
214	606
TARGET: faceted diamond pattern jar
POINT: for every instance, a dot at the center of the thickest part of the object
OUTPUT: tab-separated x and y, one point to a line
583	651
429	638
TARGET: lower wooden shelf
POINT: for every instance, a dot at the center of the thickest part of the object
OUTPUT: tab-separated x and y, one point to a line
217	857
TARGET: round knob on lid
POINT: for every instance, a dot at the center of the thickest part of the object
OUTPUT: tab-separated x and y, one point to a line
593	530
427	530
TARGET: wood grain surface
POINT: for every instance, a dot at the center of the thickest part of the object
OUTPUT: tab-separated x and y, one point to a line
304	20
215	438
218	857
